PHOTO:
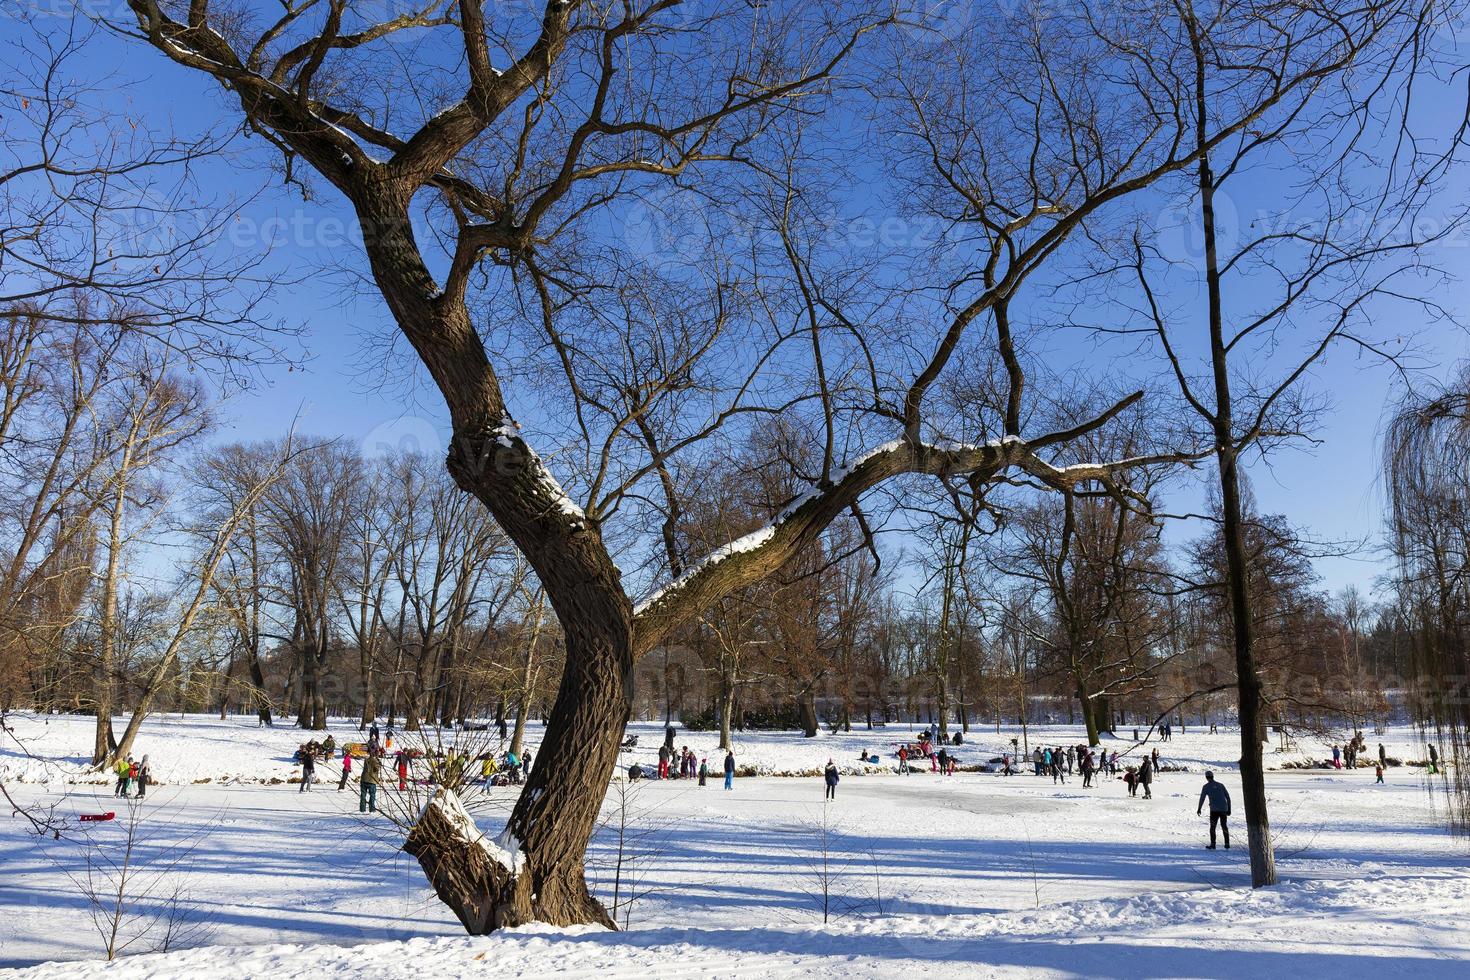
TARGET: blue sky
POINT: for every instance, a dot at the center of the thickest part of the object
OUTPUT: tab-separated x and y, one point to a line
1331	488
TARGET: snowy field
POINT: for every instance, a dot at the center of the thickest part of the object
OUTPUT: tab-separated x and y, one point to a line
975	874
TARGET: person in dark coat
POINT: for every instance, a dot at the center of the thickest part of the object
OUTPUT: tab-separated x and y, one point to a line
1219	798
663	762
1382	756
729	769
1146	777
831	777
308	770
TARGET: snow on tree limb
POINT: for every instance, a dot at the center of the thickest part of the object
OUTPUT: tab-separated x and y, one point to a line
754	555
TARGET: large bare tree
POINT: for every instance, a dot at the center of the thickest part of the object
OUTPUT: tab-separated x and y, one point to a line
575	263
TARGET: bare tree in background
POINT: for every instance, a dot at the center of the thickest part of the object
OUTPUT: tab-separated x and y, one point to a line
1426	458
156	417
107	266
1326	85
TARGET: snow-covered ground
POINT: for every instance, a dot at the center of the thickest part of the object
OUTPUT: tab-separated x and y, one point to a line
975	874
203	749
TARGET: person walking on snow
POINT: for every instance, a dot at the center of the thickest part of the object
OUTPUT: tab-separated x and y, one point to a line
831	778
367	797
308	770
1336	757
1219	798
663	762
1378	772
1146	777
729	769
703	770
402	773
346	770
143	777
903	758
487	769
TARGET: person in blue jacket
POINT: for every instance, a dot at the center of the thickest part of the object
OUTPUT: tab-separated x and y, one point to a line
831	777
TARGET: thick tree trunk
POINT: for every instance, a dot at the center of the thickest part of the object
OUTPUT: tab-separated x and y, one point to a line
1089	713
941	697
554	817
727	702
369	692
257	680
806	707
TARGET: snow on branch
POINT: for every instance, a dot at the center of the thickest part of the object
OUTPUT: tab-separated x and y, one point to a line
841	476
506	434
706	580
504	850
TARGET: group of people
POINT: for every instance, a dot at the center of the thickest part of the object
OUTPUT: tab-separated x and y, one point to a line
681	764
130	772
941	761
507	770
1349	753
1142	777
1059	762
684	764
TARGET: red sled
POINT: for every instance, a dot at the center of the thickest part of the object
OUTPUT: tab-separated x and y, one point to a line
89	817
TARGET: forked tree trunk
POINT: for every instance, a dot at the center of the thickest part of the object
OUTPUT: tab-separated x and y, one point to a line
556	813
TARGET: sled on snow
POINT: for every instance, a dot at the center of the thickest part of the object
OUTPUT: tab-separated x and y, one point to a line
95	817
